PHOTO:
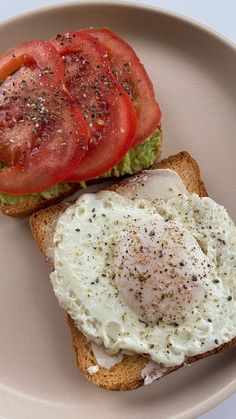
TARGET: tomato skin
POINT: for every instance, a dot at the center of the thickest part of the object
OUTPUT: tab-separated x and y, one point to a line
85	68
41	53
36	167
46	157
93	87
131	73
92	165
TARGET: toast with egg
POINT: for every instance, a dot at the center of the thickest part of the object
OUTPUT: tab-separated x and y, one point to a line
134	370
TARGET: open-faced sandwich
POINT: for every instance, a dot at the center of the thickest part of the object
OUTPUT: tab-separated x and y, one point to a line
146	271
76	108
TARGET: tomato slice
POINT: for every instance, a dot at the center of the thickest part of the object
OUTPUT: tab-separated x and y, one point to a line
37	116
39	53
131	73
106	105
116	141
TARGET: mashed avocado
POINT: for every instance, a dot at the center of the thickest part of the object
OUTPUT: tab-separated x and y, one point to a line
49	193
141	157
138	158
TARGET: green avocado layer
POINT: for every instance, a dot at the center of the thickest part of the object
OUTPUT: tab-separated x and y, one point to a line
49	193
138	158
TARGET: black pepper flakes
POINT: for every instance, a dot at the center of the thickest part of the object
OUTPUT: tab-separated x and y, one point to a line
222	241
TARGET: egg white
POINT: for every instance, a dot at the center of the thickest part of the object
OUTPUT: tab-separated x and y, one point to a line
85	236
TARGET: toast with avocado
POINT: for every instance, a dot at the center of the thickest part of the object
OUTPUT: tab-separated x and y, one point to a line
74	109
137	159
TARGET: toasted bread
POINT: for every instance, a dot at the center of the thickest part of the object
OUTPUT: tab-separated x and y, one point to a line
125	375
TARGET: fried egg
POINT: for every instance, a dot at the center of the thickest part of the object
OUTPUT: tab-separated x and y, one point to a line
154	276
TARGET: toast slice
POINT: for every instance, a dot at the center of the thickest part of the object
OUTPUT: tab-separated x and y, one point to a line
125	375
34	202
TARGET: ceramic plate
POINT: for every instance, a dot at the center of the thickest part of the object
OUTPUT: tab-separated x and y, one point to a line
194	74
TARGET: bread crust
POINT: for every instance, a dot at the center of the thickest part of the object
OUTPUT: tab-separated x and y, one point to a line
127	374
31	206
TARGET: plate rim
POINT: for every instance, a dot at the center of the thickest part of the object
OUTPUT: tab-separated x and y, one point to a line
126	3
229	389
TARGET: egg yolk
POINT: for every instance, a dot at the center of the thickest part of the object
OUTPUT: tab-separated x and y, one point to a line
158	268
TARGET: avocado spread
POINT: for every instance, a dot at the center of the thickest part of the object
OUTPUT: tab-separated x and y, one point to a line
138	158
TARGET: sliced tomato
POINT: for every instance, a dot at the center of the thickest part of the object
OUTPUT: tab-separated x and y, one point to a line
39	53
116	141
37	117
131	73
105	104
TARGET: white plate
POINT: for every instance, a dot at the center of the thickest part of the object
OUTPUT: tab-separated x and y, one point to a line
194	73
